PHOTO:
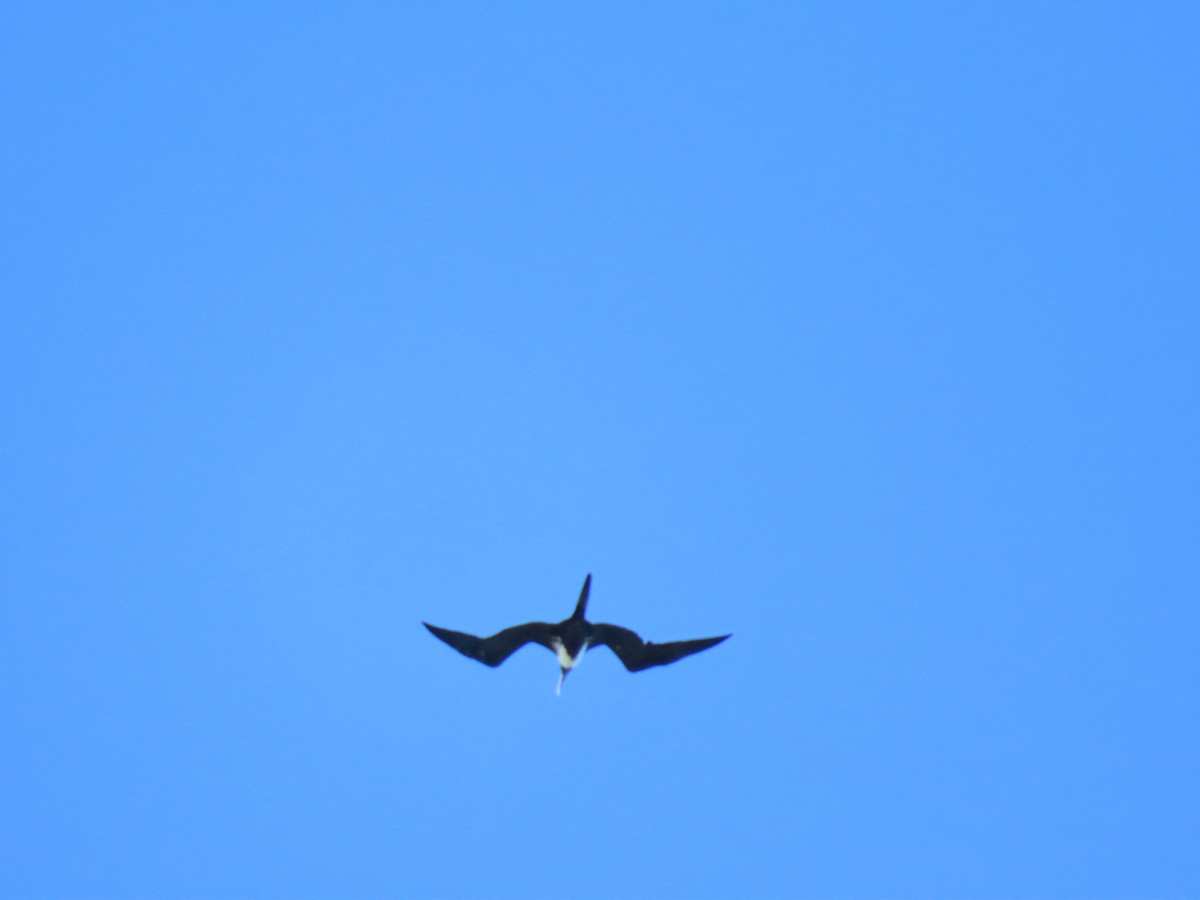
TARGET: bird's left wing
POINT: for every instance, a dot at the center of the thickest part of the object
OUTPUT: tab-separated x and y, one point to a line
491	651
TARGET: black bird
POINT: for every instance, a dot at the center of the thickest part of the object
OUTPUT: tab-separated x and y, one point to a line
569	639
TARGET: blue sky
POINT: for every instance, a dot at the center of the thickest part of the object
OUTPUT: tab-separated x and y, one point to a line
865	332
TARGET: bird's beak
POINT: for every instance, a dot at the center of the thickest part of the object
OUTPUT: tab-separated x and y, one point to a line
561	679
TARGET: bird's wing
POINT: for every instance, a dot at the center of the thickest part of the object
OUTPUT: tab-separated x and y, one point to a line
492	651
637	654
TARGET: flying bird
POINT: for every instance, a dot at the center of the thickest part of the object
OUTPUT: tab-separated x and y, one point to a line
569	639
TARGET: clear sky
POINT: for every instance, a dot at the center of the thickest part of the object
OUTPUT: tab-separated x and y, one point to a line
869	333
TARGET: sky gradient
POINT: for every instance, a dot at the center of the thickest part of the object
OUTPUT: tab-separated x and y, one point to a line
865	332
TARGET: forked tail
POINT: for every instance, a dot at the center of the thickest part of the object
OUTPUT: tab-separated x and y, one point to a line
581	606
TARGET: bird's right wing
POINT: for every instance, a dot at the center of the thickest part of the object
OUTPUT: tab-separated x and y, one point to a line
492	651
637	654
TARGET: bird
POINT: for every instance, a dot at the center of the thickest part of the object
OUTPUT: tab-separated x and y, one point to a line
569	639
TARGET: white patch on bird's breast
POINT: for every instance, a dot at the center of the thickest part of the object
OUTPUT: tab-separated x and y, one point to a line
563	659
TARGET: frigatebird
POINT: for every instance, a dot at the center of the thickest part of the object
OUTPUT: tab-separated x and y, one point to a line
569	639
